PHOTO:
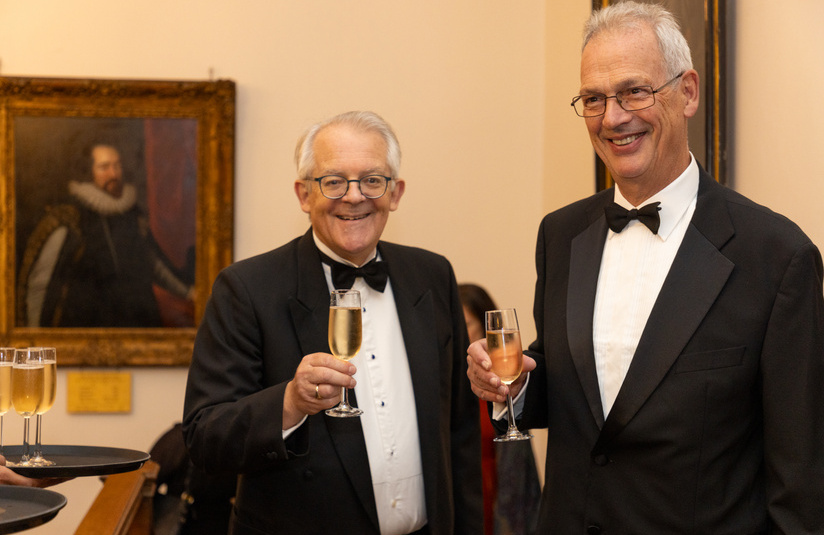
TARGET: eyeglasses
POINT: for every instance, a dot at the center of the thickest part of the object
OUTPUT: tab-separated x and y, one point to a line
335	186
632	99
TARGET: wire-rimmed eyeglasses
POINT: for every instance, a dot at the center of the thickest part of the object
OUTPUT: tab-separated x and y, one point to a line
335	186
631	99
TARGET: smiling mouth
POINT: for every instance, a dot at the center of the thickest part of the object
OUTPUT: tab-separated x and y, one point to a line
353	217
626	140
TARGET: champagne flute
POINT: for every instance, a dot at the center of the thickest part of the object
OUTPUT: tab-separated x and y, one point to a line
503	341
49	391
6	364
345	333
27	390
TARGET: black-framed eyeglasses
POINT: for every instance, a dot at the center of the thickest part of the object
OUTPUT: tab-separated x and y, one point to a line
631	99
335	186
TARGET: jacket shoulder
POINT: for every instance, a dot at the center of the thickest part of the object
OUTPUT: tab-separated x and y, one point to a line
580	214
749	217
272	262
412	257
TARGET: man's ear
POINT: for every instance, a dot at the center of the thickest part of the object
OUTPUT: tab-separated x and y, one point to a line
303	191
690	87
396	194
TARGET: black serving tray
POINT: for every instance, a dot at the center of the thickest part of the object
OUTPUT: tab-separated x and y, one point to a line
77	461
27	507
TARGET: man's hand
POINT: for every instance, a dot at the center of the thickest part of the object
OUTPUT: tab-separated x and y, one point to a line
320	375
9	477
485	384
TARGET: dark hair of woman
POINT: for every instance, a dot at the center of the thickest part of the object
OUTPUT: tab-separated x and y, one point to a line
476	300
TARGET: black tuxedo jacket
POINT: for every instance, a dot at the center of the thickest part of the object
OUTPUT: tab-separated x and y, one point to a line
718	427
264	315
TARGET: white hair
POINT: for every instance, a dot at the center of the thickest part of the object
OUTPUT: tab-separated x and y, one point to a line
365	121
675	51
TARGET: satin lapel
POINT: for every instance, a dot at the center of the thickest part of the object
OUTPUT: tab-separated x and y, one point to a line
416	313
584	264
698	274
310	313
310	307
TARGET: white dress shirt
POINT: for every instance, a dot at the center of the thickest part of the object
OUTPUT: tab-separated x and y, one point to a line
638	261
633	268
389	420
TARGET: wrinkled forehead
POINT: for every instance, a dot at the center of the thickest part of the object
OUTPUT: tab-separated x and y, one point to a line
339	146
617	59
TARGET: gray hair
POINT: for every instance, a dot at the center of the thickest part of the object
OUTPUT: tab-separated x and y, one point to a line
365	121
675	51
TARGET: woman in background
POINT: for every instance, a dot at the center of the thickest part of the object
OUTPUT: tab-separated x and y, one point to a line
511	500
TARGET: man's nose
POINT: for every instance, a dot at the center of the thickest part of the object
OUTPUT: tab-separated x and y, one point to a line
353	192
614	113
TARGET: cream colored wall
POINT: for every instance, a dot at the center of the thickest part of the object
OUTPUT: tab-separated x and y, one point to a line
777	133
478	93
569	161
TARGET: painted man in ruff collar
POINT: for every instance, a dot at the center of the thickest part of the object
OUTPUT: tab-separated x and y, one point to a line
92	262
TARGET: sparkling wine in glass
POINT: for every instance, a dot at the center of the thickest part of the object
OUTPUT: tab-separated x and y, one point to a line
27	378
503	341
6	364
49	391
345	333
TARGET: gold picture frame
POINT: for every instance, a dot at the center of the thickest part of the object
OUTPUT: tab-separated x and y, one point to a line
175	146
703	24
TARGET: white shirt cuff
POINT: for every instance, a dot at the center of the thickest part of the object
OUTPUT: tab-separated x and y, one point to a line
287	432
499	410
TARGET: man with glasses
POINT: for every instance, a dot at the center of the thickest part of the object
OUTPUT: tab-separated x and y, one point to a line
679	360
262	375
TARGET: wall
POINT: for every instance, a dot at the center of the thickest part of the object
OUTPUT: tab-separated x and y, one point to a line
777	133
478	93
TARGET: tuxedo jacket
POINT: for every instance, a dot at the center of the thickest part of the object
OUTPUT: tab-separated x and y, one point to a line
264	315
718	427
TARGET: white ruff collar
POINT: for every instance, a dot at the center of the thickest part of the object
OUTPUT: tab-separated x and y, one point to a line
97	200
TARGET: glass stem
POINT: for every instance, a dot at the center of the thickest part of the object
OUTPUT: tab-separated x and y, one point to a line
510	415
25	457
1	435
37	452
344	397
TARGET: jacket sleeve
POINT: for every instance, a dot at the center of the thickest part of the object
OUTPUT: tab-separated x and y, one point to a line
792	365
534	412
465	430
232	419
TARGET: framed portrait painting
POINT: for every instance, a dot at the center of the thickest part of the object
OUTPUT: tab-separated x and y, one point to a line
117	203
703	24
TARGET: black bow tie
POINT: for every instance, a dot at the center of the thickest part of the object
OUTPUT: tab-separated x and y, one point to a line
344	275
619	217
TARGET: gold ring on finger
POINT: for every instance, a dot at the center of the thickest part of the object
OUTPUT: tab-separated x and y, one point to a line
317	392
